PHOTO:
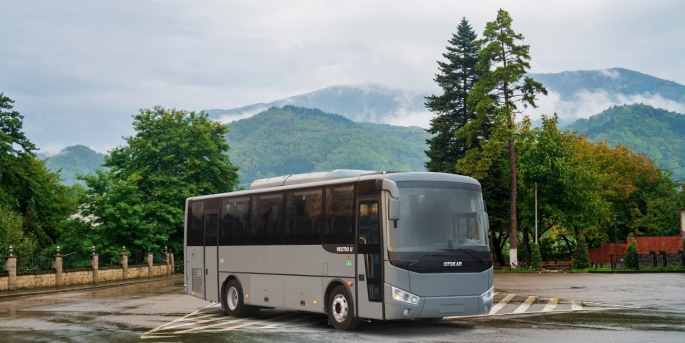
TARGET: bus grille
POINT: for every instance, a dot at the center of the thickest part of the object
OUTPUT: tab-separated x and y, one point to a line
197	280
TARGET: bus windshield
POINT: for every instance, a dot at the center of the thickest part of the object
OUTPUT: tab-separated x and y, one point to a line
439	216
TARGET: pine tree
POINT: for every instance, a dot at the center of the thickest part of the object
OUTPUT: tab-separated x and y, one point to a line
496	97
535	256
456	78
631	252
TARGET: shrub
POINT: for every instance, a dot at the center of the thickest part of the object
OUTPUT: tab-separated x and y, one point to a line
580	256
535	256
631	253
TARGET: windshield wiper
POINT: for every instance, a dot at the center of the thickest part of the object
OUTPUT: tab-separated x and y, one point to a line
423	258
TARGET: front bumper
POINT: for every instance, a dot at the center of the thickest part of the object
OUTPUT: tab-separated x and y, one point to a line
434	307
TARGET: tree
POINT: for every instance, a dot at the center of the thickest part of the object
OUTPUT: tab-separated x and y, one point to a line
580	256
497	97
174	155
39	203
456	78
535	256
631	253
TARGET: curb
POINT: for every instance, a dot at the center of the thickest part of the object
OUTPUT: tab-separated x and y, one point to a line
41	291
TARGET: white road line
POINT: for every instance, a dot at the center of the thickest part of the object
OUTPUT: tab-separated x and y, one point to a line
501	304
577	305
175	321
525	305
252	322
553	302
495	293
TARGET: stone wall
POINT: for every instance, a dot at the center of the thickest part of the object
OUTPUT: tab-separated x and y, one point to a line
11	281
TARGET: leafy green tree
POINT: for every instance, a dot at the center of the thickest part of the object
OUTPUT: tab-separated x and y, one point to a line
139	202
498	95
581	260
27	187
535	256
631	253
456	78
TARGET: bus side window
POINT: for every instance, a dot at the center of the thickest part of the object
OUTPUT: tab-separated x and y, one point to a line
339	215
196	229
303	217
234	215
267	221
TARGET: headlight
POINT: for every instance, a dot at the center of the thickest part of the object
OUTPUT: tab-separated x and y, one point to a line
487	296
405	297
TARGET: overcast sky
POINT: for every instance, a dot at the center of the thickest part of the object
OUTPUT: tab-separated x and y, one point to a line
78	70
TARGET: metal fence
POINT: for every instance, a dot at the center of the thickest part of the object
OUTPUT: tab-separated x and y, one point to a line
651	260
75	260
34	263
109	259
137	258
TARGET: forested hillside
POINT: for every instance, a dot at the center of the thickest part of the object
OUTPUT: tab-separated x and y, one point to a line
657	133
291	139
77	159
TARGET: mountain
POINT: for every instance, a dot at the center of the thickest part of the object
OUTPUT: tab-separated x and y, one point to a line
655	132
369	103
77	159
289	139
614	81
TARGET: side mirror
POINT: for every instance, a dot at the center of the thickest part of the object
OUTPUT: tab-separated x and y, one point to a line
394	209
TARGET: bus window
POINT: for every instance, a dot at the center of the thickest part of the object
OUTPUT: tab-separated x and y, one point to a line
303	217
339	215
196	229
267	225
234	221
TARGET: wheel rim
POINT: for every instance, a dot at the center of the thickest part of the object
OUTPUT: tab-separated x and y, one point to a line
232	298
339	308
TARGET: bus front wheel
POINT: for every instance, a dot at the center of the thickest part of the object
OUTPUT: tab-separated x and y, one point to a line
341	309
233	300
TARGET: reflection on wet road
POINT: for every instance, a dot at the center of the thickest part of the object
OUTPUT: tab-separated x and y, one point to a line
528	308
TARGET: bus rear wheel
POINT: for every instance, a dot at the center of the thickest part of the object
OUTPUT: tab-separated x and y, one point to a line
341	309
233	301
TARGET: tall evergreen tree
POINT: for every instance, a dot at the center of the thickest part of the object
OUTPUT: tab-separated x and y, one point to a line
496	96
456	78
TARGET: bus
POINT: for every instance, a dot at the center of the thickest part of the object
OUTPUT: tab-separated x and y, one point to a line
351	244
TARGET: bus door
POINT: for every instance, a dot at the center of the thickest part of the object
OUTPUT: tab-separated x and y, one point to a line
211	256
369	280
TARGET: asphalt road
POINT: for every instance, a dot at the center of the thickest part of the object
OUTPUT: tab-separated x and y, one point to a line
533	308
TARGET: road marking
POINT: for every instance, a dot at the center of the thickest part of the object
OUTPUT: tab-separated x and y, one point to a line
553	302
525	305
494	294
501	304
577	305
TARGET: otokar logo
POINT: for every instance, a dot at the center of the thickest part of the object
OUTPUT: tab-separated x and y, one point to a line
452	264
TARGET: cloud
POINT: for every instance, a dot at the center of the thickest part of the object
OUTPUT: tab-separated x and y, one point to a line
585	104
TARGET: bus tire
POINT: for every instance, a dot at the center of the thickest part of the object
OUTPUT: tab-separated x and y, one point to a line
341	309
234	299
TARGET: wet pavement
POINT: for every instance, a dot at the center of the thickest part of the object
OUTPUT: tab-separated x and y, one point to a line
540	308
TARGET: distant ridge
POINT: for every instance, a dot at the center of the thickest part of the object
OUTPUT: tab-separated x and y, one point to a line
72	160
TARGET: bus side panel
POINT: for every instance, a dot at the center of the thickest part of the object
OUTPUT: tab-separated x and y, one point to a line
301	292
367	309
196	271
266	290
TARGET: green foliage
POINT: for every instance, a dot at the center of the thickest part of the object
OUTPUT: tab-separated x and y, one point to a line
631	253
535	256
292	140
30	195
74	160
139	202
457	78
581	260
655	132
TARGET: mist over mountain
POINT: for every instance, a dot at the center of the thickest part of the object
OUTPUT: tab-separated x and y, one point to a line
77	159
367	103
572	95
655	132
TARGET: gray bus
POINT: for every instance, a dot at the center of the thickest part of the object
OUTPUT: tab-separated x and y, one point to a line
352	244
